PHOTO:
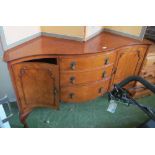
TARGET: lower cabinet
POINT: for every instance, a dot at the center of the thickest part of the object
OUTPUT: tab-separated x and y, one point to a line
37	85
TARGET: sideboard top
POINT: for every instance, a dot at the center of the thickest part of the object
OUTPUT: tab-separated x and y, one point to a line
50	45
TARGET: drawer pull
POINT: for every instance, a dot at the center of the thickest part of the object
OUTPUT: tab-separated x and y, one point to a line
71	95
103	74
72	80
101	90
106	62
73	65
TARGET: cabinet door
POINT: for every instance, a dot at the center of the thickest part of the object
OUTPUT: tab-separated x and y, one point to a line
37	84
129	62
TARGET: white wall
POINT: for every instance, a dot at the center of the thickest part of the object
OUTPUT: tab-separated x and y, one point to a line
14	34
92	30
5	81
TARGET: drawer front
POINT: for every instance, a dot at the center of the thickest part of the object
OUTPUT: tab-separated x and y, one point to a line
84	92
73	78
77	63
150	61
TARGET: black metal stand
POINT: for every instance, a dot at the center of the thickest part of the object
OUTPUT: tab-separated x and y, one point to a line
120	94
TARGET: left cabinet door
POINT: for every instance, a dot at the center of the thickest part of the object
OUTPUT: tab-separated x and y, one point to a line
36	84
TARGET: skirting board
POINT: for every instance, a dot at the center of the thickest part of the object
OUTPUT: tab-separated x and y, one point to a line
24	40
140	37
71	37
94	35
62	36
6	47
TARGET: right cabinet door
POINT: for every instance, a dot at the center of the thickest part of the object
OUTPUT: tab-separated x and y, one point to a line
129	62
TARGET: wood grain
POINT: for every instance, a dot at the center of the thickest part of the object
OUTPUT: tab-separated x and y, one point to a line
46	70
82	93
49	45
81	77
87	62
37	85
129	61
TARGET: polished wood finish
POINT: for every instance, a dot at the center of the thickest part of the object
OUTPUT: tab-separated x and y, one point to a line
35	79
81	77
47	70
43	45
147	72
82	93
128	62
37	86
87	62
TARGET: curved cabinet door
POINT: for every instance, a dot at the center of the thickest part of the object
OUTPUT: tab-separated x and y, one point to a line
129	62
37	84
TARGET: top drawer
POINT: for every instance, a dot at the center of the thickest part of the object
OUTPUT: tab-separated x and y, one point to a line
88	62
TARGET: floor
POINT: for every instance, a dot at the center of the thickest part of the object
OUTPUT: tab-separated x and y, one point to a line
92	114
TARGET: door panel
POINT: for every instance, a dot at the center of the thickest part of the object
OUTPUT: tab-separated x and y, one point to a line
37	84
143	51
129	62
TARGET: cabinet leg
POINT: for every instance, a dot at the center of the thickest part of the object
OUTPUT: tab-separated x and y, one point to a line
23	117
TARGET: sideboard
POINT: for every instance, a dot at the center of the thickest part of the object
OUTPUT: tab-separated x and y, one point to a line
46	70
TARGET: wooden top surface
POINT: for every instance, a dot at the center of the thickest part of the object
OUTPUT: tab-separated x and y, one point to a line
56	46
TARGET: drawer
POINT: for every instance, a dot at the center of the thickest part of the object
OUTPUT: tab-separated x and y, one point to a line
82	93
150	61
77	63
73	78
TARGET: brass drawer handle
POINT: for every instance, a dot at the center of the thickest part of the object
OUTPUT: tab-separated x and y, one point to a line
104	74
73	65
71	95
106	61
101	90
72	79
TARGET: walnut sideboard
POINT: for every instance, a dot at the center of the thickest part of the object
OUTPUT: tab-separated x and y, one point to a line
48	70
